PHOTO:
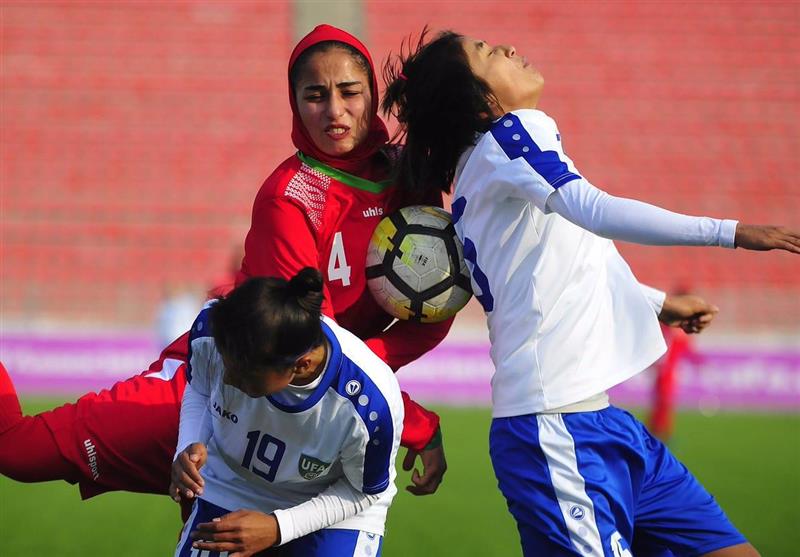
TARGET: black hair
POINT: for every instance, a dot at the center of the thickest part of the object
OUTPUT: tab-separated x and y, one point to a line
266	323
300	64
440	105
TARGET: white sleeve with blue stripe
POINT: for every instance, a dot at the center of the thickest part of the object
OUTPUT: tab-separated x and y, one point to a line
618	218
368	453
195	421
201	353
536	166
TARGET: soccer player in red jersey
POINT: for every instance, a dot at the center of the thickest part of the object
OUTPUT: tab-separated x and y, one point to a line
662	410
317	209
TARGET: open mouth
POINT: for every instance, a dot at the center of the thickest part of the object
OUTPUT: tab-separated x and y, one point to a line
337	131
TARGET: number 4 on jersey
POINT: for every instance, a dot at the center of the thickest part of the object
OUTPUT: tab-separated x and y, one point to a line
338	269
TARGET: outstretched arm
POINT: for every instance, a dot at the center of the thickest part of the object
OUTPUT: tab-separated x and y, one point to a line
618	218
539	171
629	220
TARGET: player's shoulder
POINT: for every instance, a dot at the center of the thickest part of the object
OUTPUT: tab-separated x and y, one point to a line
203	352
275	184
528	139
526	128
363	377
201	328
298	183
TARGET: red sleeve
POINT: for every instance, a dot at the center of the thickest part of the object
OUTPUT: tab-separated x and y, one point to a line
405	341
400	344
419	425
280	243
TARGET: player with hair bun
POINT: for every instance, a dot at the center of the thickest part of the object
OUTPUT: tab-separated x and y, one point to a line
566	316
316	209
289	428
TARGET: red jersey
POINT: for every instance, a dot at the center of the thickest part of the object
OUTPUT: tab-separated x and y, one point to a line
310	214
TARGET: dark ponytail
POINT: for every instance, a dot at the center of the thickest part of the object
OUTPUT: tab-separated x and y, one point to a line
306	287
267	323
440	105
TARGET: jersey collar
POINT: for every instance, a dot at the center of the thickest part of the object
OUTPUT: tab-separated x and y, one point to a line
331	373
344	177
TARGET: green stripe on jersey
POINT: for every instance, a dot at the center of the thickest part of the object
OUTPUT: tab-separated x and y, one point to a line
344	177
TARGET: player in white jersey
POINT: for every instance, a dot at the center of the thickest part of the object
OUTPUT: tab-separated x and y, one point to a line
567	318
289	429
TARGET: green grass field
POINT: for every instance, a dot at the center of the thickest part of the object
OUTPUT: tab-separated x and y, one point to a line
750	462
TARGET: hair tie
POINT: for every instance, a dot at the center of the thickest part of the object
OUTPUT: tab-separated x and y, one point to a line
402	76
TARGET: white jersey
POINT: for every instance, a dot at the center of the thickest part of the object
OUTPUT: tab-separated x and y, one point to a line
567	318
276	452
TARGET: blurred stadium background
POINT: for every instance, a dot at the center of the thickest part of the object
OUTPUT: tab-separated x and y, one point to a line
135	135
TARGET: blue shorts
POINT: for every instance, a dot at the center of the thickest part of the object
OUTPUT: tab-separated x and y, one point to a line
322	543
598	484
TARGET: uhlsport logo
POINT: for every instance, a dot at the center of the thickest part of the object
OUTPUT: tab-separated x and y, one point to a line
372	212
311	468
352	388
91	454
577	512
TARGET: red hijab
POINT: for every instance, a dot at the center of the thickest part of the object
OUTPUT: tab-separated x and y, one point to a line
377	136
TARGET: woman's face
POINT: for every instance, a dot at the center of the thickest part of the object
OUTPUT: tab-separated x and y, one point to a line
334	101
514	82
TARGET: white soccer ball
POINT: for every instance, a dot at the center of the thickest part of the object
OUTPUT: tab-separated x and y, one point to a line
415	265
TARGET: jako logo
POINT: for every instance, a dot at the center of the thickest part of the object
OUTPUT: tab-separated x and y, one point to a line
373	212
92	454
226	413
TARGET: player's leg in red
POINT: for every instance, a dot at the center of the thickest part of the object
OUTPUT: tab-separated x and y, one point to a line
662	416
28	450
122	438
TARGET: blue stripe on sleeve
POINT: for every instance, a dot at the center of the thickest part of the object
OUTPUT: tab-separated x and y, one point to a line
457	209
516	142
200	328
373	409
